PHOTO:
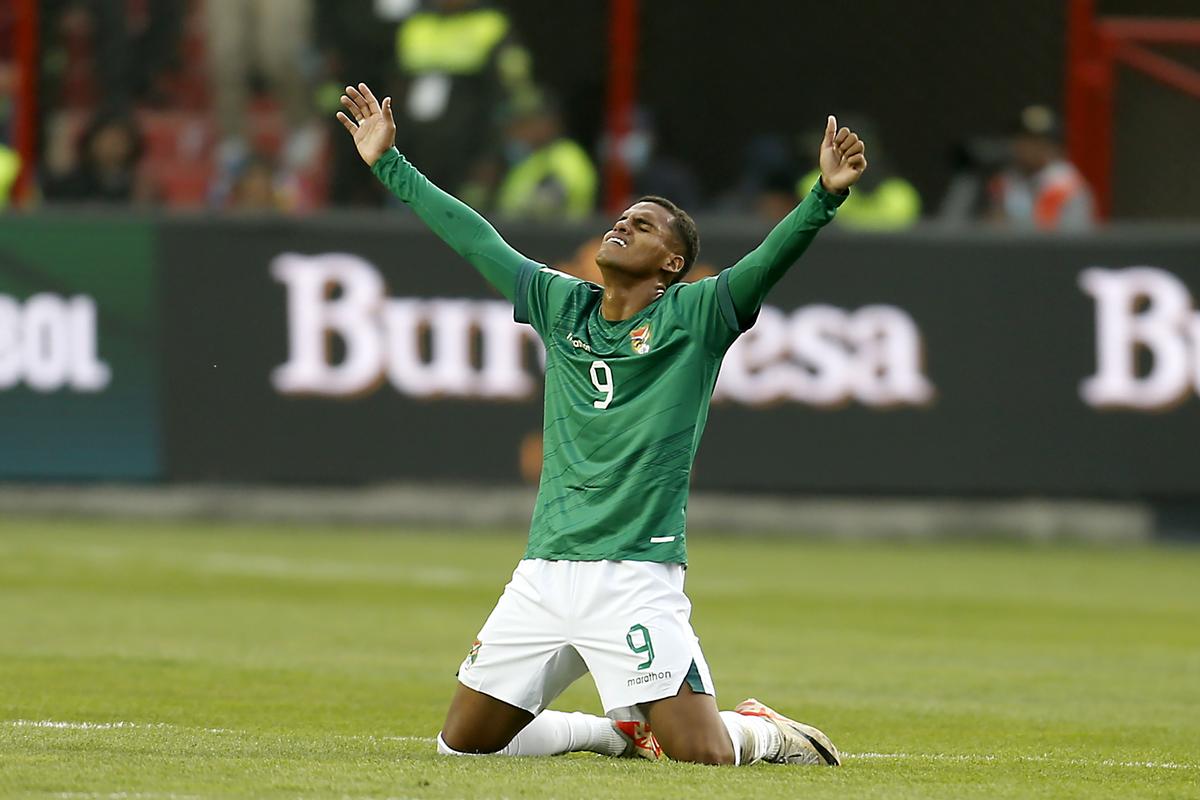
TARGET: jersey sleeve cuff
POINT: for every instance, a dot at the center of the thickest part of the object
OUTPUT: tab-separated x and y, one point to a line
384	161
828	198
728	310
521	298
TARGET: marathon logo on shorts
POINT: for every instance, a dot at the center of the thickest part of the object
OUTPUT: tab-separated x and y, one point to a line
649	677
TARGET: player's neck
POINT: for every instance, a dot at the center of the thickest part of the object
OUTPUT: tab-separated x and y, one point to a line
624	297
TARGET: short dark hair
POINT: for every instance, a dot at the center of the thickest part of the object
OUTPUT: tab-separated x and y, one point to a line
684	227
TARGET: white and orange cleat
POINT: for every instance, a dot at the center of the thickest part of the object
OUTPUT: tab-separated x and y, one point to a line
640	740
802	744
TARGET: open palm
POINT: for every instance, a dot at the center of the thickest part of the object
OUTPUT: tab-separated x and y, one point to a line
843	157
370	124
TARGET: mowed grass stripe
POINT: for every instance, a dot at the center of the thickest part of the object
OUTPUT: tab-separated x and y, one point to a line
326	658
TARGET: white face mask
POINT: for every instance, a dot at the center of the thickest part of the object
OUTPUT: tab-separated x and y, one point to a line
394	10
636	148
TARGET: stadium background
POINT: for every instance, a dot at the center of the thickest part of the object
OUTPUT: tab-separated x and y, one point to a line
264	382
972	385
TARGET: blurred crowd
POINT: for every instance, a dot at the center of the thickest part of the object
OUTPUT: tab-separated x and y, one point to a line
229	104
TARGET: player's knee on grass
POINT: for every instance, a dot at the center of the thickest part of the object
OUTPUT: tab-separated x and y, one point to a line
689	728
465	737
710	753
455	744
698	747
465	747
478	724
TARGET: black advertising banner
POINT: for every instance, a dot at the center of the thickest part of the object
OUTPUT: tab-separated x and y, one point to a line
350	350
79	362
239	410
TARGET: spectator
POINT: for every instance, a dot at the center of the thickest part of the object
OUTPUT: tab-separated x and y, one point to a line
459	62
882	200
255	188
10	168
974	161
356	40
106	170
133	46
270	39
1041	189
767	185
133	52
550	176
653	172
10	159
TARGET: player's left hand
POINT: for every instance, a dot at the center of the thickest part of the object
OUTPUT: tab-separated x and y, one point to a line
843	157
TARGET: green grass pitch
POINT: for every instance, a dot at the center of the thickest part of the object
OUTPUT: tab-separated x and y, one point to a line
190	660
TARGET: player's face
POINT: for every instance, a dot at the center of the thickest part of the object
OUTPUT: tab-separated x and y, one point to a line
641	243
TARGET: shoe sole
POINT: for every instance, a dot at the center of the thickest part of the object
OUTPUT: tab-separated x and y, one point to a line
820	743
824	752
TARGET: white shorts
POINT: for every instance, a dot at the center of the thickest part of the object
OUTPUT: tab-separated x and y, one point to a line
627	622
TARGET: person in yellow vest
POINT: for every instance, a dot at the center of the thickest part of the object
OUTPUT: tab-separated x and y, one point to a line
10	168
882	200
550	176
459	62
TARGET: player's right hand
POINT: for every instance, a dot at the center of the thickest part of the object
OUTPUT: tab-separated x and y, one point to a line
370	124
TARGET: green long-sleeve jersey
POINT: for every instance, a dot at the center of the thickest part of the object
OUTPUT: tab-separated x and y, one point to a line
627	400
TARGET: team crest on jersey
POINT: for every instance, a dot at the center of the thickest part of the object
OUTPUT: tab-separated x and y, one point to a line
639	339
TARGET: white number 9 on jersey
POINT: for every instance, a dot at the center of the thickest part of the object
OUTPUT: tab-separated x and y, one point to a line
602	379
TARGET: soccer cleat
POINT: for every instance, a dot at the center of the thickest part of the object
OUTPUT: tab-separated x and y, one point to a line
640	741
801	744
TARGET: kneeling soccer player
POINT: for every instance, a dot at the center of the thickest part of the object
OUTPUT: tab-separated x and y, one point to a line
630	369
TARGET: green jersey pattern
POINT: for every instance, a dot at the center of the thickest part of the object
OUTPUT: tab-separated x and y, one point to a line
626	403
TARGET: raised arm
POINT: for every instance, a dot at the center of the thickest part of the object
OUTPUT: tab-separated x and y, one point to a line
457	224
842	162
